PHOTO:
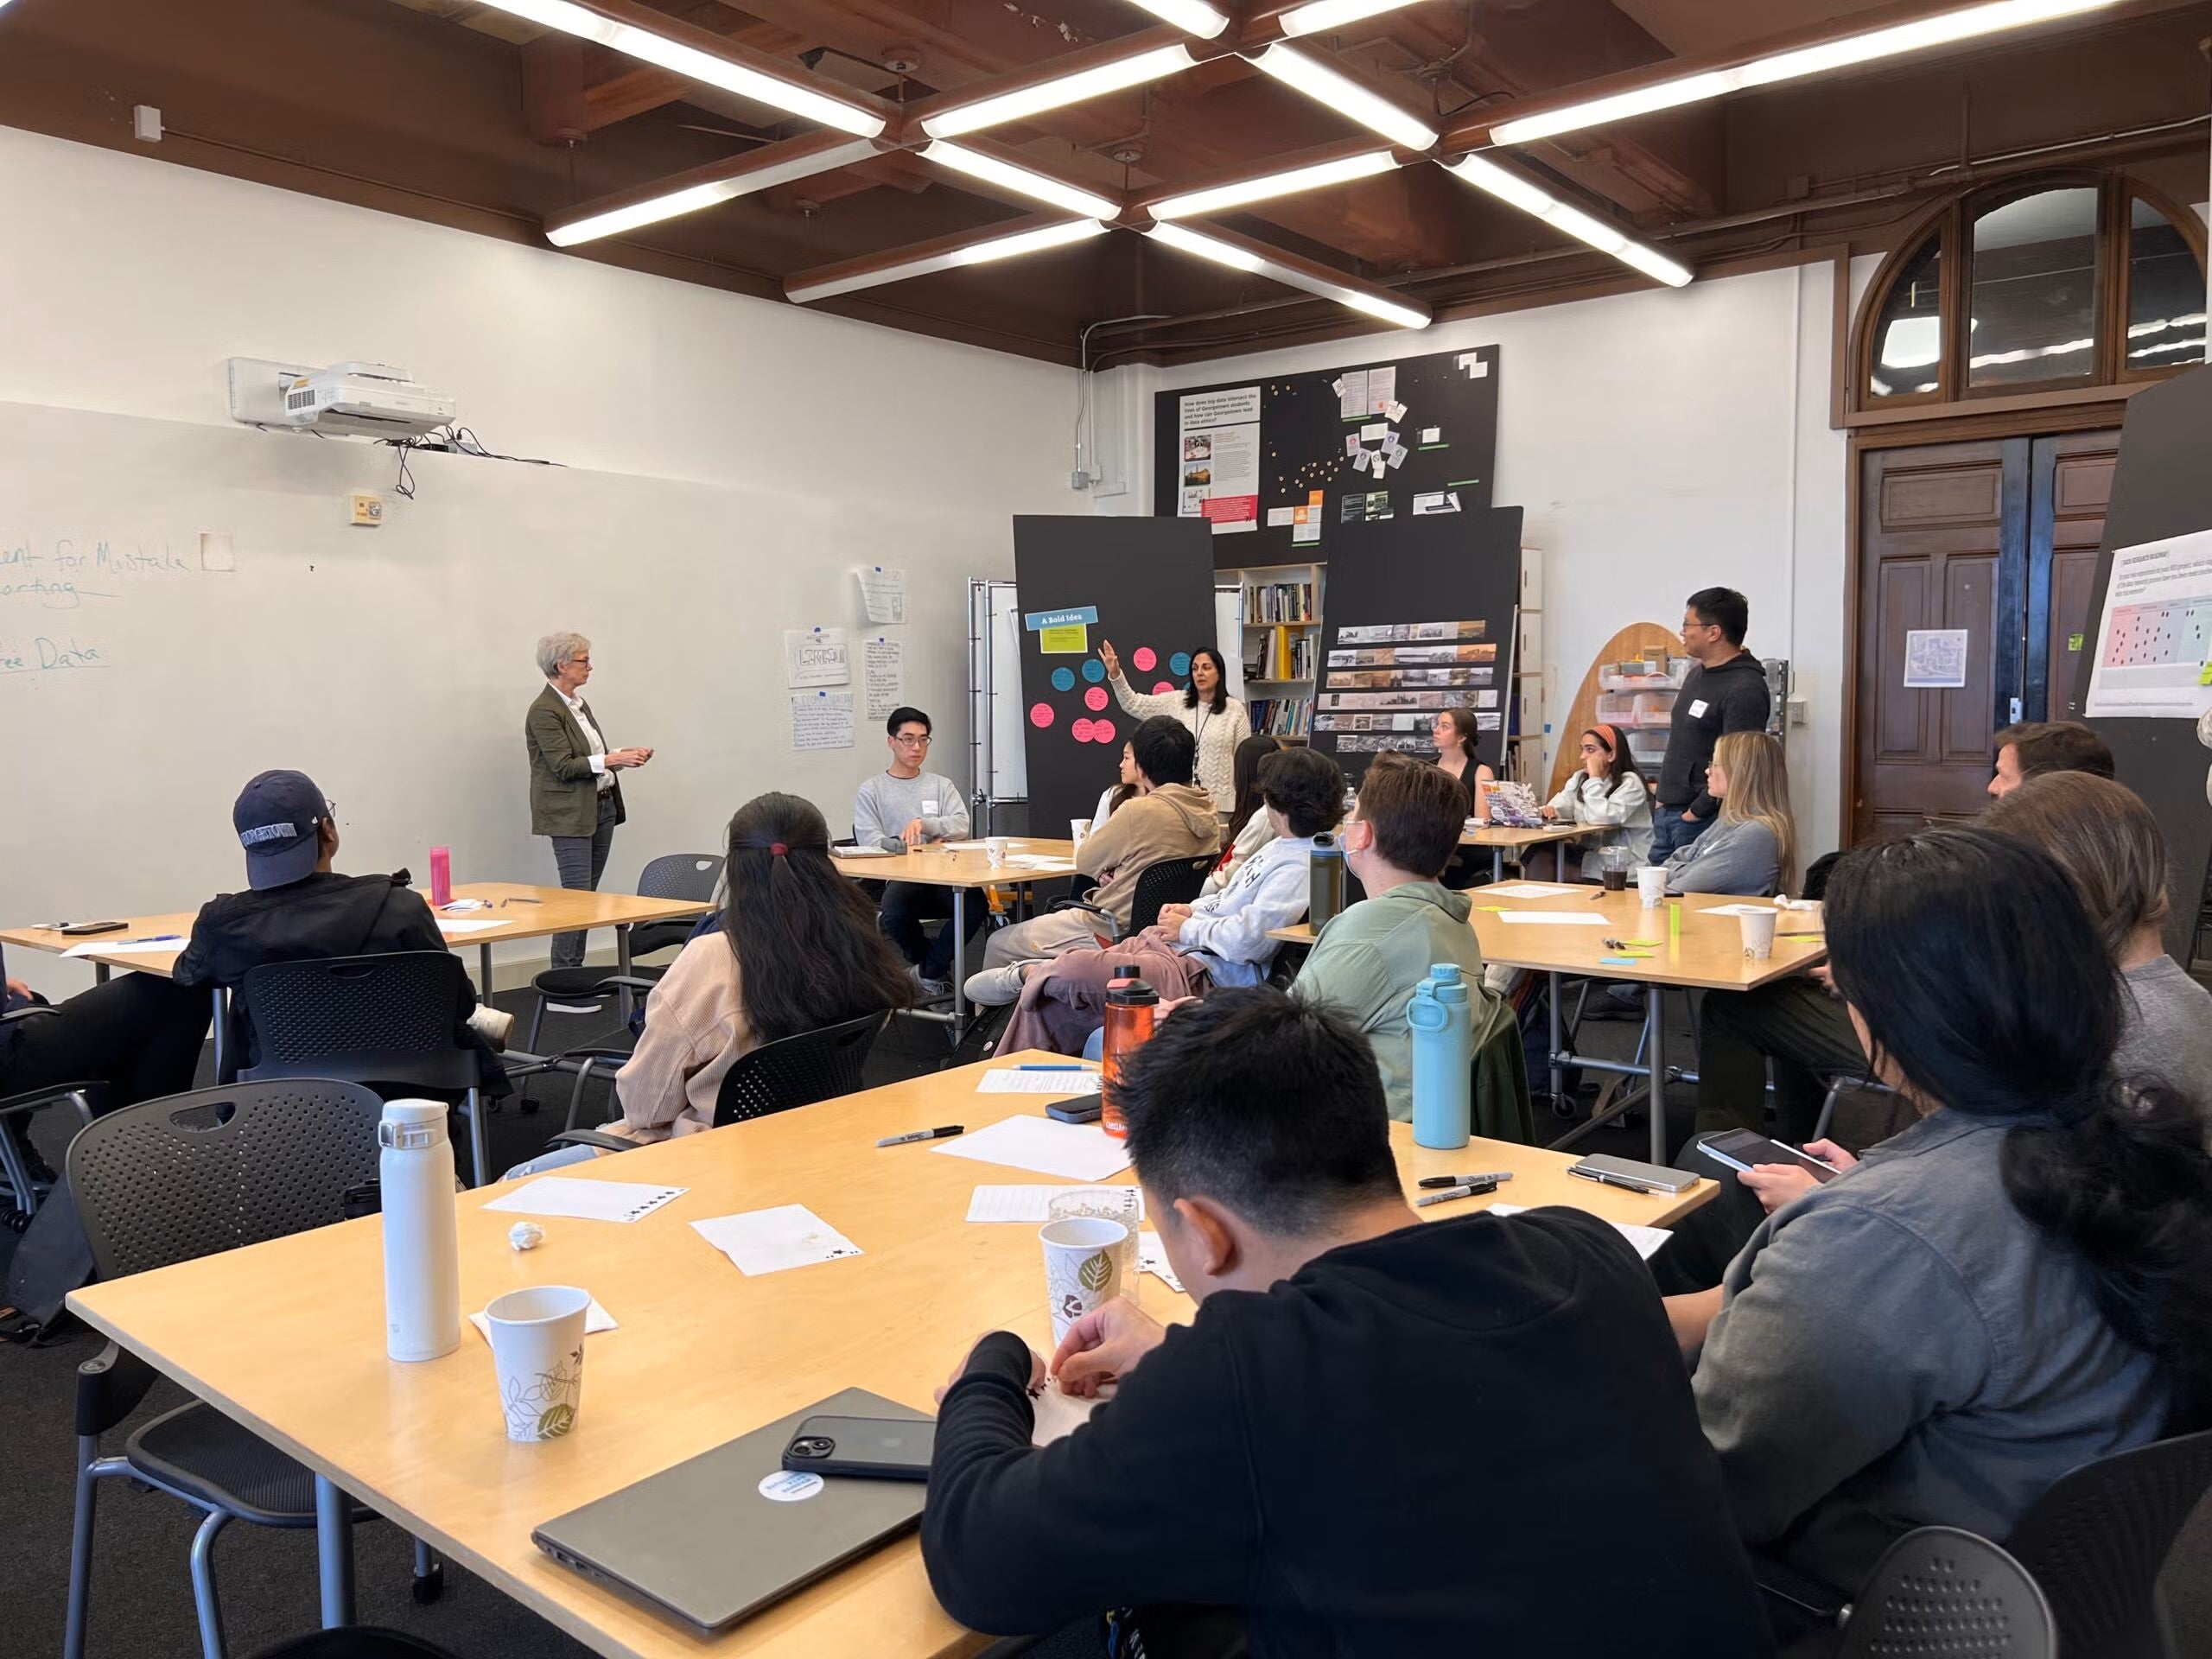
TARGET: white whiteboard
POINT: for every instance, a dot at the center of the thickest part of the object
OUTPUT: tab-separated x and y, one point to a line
395	665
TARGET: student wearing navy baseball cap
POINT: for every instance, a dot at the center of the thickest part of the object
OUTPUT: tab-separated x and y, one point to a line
282	821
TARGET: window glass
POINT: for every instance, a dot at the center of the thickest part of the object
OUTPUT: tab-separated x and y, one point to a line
2031	318
2165	293
1909	339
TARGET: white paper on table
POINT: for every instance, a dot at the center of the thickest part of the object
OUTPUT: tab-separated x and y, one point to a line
449	925
1074	1152
596	1319
581	1200
1151	1258
816	657
1552	918
861	852
127	948
1052	1080
1647	1240
1059	1414
1528	890
1739	910
1028	1203
769	1240
1039	861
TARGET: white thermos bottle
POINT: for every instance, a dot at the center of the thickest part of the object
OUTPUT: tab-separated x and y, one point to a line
421	1249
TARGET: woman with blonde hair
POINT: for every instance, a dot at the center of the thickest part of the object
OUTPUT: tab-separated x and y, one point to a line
1751	849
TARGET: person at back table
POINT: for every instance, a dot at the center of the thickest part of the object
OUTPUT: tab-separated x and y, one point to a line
1293	1466
1368	960
1751	848
901	808
296	908
2036	748
575	798
1605	789
1725	691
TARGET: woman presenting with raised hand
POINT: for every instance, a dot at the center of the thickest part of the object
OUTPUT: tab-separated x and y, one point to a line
1204	708
574	797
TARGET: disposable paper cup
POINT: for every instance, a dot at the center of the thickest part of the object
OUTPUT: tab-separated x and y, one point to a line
1082	1267
1077	829
1758	932
537	1350
1121	1203
1651	885
997	846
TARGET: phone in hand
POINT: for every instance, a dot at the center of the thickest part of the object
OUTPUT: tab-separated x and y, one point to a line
872	1448
1743	1148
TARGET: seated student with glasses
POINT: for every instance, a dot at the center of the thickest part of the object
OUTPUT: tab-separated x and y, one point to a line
903	807
1295	1468
2019	1284
1608	790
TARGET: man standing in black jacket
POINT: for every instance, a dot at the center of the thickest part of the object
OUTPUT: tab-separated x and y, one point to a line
1377	1437
1726	692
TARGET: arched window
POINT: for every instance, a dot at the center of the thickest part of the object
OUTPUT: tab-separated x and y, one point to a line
2051	284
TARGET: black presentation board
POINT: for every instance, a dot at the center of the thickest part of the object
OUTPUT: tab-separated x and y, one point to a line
2161	487
1390	652
1297	447
1144	583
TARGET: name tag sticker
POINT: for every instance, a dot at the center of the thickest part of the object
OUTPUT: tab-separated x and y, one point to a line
929	809
1698	709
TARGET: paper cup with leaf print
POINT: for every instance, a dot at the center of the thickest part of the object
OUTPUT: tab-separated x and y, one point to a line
1082	1267
537	1353
1758	931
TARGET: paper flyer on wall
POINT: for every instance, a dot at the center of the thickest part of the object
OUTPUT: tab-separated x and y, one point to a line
883	661
1220	447
883	593
1936	657
816	657
823	720
2154	643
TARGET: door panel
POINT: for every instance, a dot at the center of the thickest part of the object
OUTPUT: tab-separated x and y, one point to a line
2073	485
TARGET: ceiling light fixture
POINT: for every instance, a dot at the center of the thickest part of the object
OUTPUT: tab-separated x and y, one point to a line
1325	15
689	62
1193	16
1036	186
1918	36
834	280
816	153
1345	95
1511	188
1096	82
1241	255
1195	203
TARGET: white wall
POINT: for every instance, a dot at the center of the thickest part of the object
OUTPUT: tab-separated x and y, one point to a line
126	282
1658	442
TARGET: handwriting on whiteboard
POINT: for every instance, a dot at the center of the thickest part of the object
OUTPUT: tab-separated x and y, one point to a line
92	575
45	656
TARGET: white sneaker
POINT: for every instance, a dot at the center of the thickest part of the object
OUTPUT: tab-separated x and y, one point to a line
994	988
931	989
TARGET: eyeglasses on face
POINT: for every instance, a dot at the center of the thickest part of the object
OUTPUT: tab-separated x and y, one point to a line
912	739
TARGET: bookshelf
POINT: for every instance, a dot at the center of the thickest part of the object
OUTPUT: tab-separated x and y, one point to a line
1280	611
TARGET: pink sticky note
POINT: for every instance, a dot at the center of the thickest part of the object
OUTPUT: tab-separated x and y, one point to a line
1040	715
1081	730
1162	685
1144	658
1094	699
1101	731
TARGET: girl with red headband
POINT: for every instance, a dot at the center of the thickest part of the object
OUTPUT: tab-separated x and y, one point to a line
1607	789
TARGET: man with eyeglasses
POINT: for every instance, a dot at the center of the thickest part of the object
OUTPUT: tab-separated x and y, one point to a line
899	809
1726	692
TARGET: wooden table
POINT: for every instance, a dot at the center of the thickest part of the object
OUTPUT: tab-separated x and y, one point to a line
1502	839
287	1337
1707	955
961	865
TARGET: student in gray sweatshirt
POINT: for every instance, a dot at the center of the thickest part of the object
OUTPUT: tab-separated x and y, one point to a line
1751	849
899	809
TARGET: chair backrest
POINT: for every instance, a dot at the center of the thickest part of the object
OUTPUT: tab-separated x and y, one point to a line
1171	881
186	1176
388	1019
1940	1593
681	876
815	1065
2097	1537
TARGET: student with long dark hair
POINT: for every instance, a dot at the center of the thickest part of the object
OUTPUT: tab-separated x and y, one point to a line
1606	788
2018	1284
1249	828
1204	708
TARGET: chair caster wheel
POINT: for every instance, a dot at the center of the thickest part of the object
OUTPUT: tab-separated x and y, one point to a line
1562	1106
429	1586
528	1105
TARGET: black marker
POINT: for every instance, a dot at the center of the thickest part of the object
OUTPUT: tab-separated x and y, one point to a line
1453	1194
923	1134
1467	1180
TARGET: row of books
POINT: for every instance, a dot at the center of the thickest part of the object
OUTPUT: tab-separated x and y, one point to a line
1281	655
1282	717
1280	601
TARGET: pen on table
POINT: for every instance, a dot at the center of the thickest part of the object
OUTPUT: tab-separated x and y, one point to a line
923	1134
1467	1180
1453	1194
521	901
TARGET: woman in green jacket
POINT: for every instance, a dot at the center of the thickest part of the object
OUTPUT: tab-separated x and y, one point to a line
573	795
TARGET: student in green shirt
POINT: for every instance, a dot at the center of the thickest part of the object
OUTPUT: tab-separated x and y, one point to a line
1368	961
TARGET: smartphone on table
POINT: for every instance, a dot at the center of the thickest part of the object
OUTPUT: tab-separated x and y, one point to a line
1743	1148
1609	1170
873	1448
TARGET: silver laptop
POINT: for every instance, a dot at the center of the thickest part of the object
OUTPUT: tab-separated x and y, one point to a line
705	1544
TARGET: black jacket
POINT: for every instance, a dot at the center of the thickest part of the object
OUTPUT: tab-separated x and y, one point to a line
1471	1437
1714	701
320	916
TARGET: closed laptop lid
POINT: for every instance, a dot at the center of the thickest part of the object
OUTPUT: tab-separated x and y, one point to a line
725	1533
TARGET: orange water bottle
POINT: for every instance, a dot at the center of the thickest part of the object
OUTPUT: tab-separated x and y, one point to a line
1130	1006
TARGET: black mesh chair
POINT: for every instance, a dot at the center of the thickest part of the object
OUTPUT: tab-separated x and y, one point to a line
1941	1593
1171	881
801	1070
388	1021
2096	1540
673	875
356	1641
77	1095
171	1181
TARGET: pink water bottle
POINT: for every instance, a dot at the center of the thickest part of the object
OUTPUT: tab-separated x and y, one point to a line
440	876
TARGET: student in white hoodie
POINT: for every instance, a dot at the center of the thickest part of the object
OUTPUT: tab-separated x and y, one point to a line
1608	790
1249	827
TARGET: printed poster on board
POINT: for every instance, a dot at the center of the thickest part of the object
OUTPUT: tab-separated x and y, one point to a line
2154	641
1218	444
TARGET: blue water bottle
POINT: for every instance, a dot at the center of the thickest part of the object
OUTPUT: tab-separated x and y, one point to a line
1444	1057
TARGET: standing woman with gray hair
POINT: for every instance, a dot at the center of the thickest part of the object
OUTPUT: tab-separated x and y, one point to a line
574	797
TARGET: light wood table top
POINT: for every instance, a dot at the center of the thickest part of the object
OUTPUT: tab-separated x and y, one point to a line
287	1337
521	910
1513	839
971	866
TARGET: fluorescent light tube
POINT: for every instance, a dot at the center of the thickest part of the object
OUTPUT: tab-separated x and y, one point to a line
974	253
1056	94
1325	15
1222	253
693	197
1198	203
1241	258
1020	180
689	61
1508	187
1192	16
1919	36
1345	95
